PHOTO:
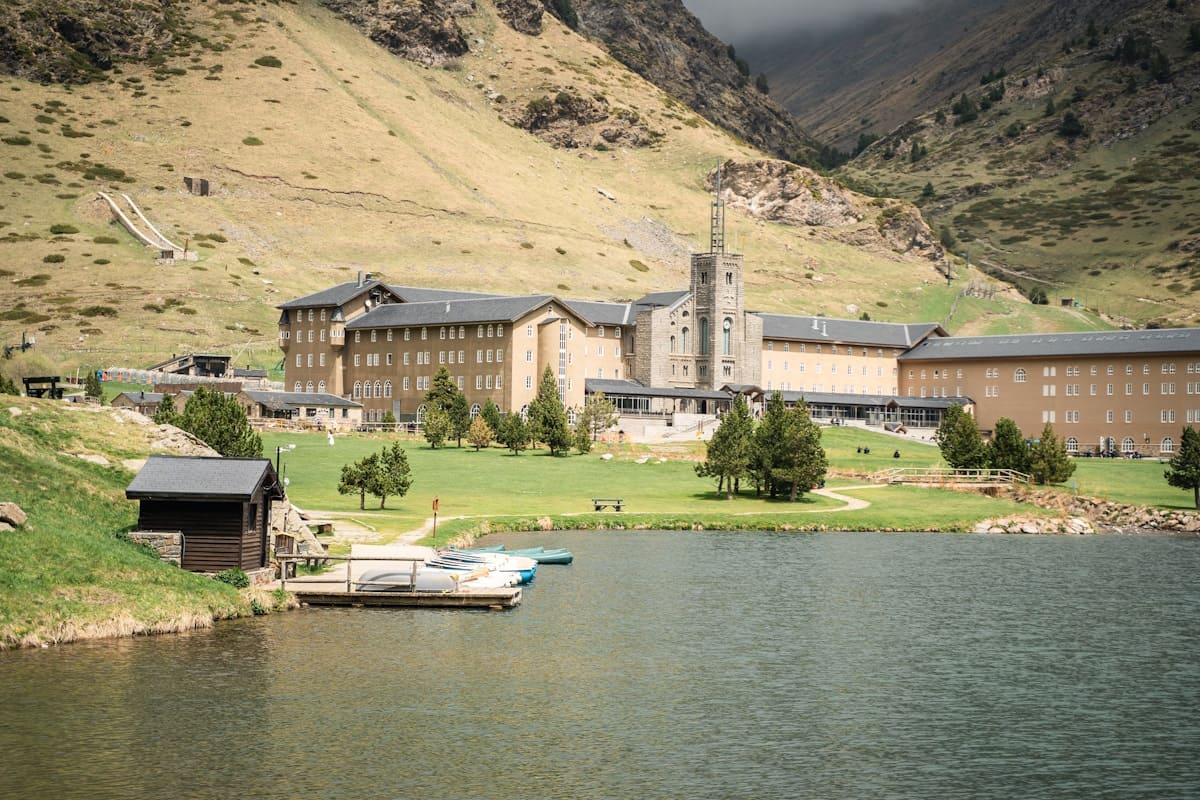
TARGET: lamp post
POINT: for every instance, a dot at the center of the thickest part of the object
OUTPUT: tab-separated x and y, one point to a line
278	451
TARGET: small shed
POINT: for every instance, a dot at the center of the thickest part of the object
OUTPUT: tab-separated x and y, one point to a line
220	506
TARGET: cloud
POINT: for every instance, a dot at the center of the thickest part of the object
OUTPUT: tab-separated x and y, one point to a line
739	21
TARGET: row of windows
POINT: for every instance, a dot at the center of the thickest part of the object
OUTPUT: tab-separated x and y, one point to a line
1128	445
1021	375
833	368
801	347
444	332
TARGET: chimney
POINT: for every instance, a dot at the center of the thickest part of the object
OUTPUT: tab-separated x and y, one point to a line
360	280
367	278
824	332
447	306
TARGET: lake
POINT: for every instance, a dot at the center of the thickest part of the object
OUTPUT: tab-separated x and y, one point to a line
663	665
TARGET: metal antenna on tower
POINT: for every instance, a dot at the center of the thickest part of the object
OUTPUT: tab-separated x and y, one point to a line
716	234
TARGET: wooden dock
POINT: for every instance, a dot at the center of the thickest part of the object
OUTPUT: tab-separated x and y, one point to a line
347	588
508	597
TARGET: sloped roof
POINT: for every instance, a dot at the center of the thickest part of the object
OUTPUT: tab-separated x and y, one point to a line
201	478
334	295
602	313
299	399
613	388
455	312
663	298
847	331
420	294
1044	345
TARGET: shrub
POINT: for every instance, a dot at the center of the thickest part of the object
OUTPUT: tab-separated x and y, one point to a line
268	61
55	258
253	141
98	311
17	140
104	240
638	265
234	577
63	229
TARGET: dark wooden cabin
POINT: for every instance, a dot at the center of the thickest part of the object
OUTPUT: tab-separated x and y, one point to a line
222	506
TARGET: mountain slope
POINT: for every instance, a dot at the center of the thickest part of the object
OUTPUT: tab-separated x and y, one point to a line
1074	177
328	155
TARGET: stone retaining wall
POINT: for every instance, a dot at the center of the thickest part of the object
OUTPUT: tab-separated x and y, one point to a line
168	544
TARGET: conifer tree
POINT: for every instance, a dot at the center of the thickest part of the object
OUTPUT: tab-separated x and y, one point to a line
1008	450
1184	472
356	478
514	433
91	385
166	414
480	434
435	425
460	416
598	415
1048	459
727	454
548	418
491	415
959	440
217	420
391	474
8	385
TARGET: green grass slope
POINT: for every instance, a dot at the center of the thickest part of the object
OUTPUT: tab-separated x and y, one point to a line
67	574
345	158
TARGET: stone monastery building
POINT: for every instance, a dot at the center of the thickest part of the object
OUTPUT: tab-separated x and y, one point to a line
690	351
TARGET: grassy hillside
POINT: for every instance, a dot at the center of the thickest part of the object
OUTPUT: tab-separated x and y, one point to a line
67	574
1103	211
328	156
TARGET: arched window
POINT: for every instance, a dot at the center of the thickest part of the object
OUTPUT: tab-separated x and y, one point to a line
387	388
1019	375
421	414
704	336
475	411
308	387
357	390
1072	444
378	389
684	340
1167	445
298	387
366	389
321	387
672	345
726	334
1127	445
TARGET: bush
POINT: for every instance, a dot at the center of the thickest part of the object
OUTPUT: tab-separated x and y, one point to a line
268	61
63	229
234	577
253	141
54	258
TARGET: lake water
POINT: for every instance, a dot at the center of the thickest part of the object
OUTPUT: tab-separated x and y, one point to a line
663	665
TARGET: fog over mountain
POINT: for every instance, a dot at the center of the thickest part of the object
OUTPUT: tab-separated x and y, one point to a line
749	21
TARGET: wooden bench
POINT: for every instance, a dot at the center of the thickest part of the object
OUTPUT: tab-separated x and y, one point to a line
602	503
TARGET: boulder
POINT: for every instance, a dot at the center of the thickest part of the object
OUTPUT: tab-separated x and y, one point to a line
12	514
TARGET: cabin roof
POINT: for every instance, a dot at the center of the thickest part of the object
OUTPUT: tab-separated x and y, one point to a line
848	331
1043	345
202	478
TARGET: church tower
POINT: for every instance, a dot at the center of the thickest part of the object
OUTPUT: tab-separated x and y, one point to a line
723	329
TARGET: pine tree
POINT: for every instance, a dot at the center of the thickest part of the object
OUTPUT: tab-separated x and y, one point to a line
1008	450
771	439
514	433
548	418
435	425
1184	472
92	386
460	417
582	438
959	439
491	415
480	433
727	454
166	414
8	385
443	390
598	415
805	461
217	420
356	478
391	474
1048	459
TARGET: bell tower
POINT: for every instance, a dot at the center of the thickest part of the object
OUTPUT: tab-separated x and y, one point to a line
718	295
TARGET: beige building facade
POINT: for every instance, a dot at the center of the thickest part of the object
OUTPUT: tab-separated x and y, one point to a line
1121	392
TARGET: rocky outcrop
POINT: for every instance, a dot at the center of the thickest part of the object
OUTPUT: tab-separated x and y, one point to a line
665	44
523	16
425	31
1035	525
572	121
76	42
792	195
1106	516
